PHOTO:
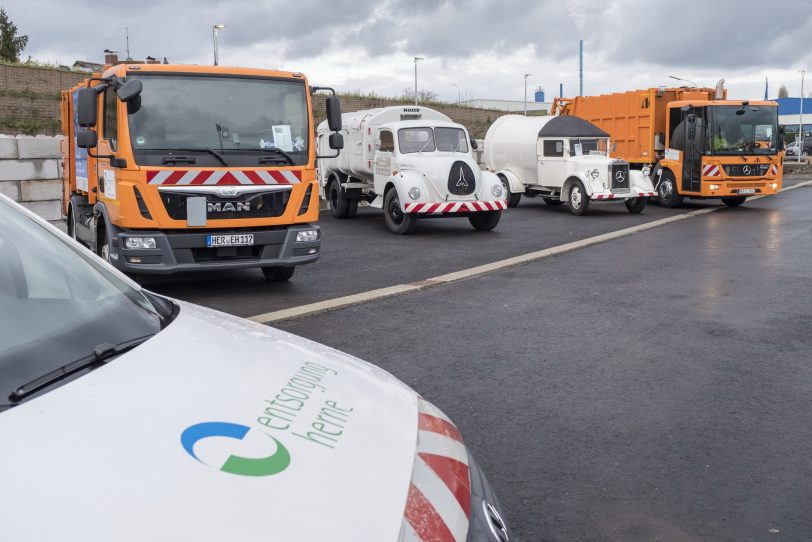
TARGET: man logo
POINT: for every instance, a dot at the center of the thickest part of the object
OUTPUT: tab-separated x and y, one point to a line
243	466
228	207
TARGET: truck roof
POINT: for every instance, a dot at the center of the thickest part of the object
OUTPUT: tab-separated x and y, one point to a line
125	67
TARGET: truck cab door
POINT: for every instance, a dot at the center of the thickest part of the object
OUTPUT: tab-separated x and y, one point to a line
694	143
108	145
552	163
382	161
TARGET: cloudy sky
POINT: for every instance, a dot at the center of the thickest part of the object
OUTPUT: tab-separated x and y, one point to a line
483	46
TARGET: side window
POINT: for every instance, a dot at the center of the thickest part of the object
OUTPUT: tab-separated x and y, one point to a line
554	147
111	117
676	139
387	141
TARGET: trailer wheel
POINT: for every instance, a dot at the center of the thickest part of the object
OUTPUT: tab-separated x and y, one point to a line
734	201
553	202
579	200
277	273
396	220
636	205
512	199
667	194
339	204
485	221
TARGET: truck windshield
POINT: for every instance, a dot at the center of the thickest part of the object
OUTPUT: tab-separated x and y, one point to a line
59	302
736	129
594	146
232	115
412	140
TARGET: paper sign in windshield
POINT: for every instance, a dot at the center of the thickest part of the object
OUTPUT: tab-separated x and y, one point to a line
281	137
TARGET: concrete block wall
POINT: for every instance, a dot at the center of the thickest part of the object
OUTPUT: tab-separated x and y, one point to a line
30	173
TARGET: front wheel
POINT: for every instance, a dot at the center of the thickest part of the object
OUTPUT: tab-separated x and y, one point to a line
277	273
71	221
734	201
636	205
579	200
396	220
667	193
512	199
485	220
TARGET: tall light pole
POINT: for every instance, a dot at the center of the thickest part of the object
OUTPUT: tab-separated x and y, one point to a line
459	93
215	31
801	119
525	92
416	60
685	80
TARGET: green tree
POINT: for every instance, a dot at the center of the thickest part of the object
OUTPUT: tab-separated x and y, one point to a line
11	45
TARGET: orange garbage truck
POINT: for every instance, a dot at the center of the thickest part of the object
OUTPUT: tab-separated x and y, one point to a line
693	142
172	168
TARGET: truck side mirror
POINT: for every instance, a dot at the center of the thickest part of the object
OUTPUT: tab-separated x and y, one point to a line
474	144
129	90
86	107
336	141
86	139
334	114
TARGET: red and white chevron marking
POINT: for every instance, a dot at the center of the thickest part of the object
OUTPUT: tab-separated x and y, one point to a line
439	500
710	170
773	170
454	207
612	196
210	177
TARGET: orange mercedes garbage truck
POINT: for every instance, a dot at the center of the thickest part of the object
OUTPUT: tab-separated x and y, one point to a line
693	142
173	168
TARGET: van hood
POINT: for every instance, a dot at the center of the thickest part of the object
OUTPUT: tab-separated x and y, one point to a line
436	167
215	429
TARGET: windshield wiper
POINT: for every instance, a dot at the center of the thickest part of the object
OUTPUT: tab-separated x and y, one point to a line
194	149
280	152
101	355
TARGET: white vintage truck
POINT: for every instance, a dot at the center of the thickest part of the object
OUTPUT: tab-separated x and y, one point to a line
562	159
412	162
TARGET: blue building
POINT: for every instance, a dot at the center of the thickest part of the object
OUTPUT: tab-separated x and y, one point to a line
789	110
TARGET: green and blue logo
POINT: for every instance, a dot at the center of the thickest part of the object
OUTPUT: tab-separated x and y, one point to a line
243	466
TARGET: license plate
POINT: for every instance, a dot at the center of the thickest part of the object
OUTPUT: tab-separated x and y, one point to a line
747	190
620	191
241	240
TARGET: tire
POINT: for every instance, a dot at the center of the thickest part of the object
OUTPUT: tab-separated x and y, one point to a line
667	194
553	202
485	220
636	205
339	204
512	199
277	273
102	244
579	200
734	201
396	220
352	208
71	220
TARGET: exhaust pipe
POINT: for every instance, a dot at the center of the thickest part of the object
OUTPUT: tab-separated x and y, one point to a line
720	89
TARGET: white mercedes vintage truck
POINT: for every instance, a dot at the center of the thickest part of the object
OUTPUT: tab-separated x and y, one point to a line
561	159
412	162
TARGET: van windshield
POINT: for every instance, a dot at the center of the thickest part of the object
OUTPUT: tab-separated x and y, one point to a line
594	146
58	302
411	140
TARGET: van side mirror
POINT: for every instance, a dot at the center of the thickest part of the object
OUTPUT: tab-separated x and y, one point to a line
129	90
86	139
334	113
474	144
336	141
86	106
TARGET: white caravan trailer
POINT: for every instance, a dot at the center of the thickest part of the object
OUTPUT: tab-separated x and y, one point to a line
562	159
412	162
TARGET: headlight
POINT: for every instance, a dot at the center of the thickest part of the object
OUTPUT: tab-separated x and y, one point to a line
646	171
595	173
307	236
414	192
137	243
774	186
496	189
714	187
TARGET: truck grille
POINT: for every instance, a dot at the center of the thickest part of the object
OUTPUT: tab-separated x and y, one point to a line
747	170
251	205
461	180
619	176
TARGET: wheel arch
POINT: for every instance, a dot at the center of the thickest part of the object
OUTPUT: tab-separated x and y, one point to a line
513	181
569	183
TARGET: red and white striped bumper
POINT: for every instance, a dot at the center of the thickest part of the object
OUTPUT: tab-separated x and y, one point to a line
711	170
439	502
222	177
623	196
454	207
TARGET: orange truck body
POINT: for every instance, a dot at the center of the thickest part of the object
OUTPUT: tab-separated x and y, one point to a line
115	191
643	126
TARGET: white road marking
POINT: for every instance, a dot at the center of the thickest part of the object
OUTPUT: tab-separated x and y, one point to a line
400	289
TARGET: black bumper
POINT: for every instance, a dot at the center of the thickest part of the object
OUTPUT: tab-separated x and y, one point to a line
187	251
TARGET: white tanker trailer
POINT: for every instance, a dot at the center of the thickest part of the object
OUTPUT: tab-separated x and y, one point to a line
412	162
562	159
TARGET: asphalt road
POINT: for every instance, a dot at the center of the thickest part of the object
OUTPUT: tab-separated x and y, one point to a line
360	254
655	387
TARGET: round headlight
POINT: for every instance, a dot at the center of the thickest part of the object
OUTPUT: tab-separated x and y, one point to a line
646	171
414	192
496	189
595	173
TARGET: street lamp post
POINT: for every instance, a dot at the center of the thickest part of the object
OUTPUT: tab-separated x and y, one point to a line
215	31
459	93
685	80
802	140
525	92
416	60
